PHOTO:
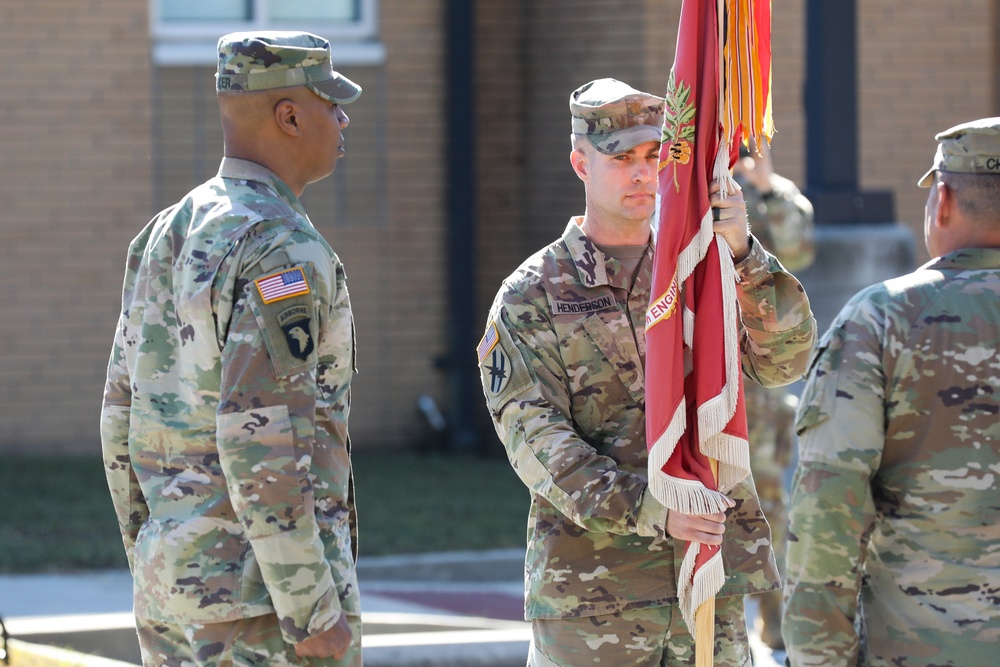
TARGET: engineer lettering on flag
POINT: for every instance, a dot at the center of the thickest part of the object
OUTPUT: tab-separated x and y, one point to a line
562	362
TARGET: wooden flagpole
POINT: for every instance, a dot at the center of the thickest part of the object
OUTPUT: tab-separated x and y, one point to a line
704	617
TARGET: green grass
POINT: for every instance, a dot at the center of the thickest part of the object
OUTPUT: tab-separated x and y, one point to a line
409	503
56	514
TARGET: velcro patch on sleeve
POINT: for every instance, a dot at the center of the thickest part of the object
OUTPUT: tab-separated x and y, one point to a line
503	370
282	285
286	314
488	342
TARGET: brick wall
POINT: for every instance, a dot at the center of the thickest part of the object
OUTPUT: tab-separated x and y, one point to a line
923	66
93	140
74	179
96	140
406	329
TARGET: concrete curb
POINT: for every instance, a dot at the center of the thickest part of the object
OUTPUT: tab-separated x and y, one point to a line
99	636
457	641
25	654
478	566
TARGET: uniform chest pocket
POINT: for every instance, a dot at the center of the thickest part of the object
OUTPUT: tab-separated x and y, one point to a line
617	343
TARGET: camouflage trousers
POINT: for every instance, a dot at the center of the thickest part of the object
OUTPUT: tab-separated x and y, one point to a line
248	642
652	637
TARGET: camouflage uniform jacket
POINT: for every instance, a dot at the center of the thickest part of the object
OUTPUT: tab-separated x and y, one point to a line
224	425
562	368
896	494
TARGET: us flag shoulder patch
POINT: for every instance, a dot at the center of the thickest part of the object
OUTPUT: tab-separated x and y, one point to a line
284	285
488	342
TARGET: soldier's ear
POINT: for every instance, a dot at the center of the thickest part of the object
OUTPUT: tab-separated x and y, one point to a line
578	158
287	116
946	204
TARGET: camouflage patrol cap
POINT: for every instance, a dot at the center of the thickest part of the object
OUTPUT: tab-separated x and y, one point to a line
615	116
252	61
969	148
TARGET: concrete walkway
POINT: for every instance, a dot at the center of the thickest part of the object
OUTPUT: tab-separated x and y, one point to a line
447	609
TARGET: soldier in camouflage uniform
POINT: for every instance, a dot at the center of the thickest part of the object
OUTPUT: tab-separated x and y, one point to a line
224	424
562	370
781	218
895	523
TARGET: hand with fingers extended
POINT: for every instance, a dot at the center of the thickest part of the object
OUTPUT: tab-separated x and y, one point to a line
332	643
730	216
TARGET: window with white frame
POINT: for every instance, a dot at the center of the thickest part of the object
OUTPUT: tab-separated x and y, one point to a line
185	31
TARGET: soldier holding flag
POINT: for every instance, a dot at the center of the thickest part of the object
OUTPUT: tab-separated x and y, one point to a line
562	364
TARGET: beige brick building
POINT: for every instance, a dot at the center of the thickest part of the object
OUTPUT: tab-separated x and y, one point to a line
101	125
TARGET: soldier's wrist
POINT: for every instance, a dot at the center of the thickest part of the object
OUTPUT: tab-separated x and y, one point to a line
651	518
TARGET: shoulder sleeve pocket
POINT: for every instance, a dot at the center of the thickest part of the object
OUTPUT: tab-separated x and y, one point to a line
285	309
502	369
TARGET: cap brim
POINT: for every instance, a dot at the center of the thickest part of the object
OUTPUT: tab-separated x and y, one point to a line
927	179
614	143
339	89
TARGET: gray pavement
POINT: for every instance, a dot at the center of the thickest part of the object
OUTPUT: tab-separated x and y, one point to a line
461	609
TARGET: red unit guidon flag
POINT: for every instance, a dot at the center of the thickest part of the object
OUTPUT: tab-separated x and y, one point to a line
282	285
718	92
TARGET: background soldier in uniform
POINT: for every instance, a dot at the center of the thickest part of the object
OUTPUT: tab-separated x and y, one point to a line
224	425
895	495
562	369
781	218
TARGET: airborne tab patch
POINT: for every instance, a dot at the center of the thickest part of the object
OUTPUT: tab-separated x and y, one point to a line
282	285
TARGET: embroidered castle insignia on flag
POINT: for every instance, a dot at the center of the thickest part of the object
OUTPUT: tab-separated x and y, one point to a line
282	285
488	342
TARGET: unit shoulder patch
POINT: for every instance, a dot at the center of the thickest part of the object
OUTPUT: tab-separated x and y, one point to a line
294	322
284	308
502	369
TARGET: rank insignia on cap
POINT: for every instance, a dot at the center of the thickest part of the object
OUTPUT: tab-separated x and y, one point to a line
488	342
282	285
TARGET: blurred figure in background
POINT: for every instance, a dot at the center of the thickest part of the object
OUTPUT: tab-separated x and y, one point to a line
781	218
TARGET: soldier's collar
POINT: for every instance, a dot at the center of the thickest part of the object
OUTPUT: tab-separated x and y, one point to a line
967	258
237	168
590	262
